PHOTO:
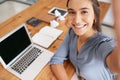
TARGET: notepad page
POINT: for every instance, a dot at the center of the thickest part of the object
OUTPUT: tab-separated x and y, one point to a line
51	32
46	36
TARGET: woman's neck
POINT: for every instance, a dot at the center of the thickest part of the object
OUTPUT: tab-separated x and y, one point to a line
84	38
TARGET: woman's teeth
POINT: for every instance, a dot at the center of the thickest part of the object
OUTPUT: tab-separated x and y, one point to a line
79	27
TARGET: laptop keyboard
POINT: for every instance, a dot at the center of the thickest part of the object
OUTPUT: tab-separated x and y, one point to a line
26	60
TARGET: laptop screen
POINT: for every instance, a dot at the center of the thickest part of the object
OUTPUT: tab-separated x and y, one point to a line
14	44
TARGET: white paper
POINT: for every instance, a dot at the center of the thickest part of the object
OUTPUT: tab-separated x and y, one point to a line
54	23
46	36
58	14
61	18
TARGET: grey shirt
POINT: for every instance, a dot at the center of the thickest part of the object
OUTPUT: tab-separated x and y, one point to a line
90	61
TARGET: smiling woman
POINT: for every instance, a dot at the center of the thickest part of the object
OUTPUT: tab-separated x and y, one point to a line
82	17
88	49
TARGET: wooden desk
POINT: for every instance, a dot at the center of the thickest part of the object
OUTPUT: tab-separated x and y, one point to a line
40	10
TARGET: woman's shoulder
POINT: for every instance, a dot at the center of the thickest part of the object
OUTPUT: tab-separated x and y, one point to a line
104	38
103	41
99	39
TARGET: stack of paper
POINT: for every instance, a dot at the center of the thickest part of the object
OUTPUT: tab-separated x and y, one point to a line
46	36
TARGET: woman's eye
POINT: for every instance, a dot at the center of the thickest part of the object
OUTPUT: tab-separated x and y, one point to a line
84	12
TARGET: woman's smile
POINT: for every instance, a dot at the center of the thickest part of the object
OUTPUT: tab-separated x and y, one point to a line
80	26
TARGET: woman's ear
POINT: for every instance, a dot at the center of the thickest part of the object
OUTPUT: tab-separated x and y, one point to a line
95	20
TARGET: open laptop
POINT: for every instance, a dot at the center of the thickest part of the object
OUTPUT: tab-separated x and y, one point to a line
20	56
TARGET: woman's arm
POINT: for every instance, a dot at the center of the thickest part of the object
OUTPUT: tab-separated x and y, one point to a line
59	72
57	61
113	60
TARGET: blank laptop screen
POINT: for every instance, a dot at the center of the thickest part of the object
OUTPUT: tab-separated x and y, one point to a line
14	45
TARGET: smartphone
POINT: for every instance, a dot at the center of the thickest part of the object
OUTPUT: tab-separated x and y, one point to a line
33	21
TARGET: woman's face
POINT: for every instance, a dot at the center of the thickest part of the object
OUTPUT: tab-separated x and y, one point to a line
81	16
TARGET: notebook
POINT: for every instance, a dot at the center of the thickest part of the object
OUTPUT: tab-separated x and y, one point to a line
46	36
20	56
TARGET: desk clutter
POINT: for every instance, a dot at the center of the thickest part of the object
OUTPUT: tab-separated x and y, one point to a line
48	34
59	13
